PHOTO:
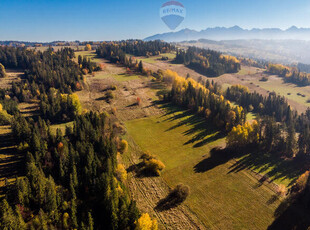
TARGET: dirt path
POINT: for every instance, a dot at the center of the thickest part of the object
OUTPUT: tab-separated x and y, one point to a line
146	191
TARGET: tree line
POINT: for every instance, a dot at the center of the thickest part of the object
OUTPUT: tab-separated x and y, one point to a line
142	48
115	54
197	97
290	74
207	62
286	131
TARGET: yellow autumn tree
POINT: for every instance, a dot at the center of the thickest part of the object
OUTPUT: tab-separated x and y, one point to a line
2	71
76	103
301	182
146	223
5	118
242	135
88	47
123	146
121	172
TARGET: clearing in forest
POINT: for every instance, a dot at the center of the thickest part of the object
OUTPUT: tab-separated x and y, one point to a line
222	195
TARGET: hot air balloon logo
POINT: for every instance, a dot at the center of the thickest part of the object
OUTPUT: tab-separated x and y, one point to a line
173	14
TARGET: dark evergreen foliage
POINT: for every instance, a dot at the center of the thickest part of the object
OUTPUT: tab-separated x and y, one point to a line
207	62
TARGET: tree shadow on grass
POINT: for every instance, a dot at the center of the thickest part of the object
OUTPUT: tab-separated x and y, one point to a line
12	164
273	167
201	132
270	166
293	212
217	157
168	203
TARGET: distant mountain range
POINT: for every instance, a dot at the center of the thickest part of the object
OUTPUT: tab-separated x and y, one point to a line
285	51
233	33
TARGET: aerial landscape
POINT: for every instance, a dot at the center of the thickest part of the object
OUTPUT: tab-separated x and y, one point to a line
148	115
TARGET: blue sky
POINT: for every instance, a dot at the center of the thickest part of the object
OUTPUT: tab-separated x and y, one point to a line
49	20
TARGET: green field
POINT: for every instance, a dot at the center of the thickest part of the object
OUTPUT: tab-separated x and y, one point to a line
154	59
287	90
62	127
224	194
89	54
247	70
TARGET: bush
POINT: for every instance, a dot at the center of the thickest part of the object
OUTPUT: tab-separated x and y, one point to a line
154	166
264	79
110	95
5	118
251	108
179	193
151	165
138	101
113	87
118	128
146	223
147	156
301	183
123	146
121	173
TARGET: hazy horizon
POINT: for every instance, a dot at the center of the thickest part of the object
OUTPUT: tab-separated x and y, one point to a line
46	21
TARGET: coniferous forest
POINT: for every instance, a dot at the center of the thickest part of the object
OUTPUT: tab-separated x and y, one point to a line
70	178
207	62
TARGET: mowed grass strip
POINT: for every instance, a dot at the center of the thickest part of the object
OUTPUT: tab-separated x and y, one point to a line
221	199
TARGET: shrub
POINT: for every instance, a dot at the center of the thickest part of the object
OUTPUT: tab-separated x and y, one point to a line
5	118
113	111
118	128
153	166
301	182
123	146
85	71
113	87
146	223
88	47
138	101
121	172
251	108
179	193
110	95
147	156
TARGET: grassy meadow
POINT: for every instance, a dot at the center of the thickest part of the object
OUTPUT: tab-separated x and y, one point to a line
154	59
88	54
224	194
118	77
287	90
